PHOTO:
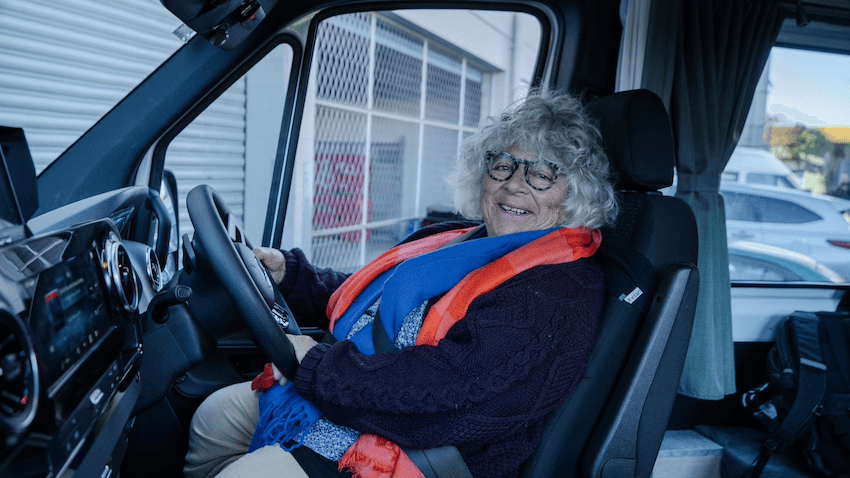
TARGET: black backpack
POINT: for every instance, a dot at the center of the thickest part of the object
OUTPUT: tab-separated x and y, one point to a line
805	405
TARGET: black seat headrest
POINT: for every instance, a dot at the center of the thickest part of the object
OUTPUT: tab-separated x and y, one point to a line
637	137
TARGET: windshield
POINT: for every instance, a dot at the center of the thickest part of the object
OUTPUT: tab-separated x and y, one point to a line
66	64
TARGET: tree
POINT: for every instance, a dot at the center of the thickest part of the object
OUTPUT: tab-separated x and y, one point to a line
800	147
807	142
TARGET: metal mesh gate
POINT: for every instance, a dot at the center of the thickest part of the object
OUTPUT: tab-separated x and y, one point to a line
391	108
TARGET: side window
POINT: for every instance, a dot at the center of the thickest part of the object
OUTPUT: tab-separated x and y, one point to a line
795	118
743	268
232	145
783	182
738	207
768	179
782	212
762	178
391	96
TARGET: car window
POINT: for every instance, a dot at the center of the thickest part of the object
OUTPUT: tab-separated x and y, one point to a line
801	119
738	207
232	145
769	180
743	268
392	95
769	209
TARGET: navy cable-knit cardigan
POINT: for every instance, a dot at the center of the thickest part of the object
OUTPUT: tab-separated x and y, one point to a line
485	388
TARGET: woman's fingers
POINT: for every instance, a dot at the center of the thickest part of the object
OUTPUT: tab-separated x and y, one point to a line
273	260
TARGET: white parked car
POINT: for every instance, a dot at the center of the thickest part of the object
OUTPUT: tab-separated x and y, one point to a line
758	166
751	261
814	225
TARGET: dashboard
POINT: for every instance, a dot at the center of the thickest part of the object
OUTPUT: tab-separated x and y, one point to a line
71	347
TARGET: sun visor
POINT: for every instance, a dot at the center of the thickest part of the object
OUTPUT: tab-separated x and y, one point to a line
225	23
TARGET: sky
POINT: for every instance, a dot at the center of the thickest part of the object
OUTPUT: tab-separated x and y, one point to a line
809	87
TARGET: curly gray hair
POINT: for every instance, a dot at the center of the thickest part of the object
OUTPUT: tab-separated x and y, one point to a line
555	128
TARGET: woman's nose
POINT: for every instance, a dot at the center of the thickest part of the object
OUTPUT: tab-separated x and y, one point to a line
516	182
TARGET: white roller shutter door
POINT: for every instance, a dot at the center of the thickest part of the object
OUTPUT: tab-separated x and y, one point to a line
65	63
211	150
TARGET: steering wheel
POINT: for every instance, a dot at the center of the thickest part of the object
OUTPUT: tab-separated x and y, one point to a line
253	293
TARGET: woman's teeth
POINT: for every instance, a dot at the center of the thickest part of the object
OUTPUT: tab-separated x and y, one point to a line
513	209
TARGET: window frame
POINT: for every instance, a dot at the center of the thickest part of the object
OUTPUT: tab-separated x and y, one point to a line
281	172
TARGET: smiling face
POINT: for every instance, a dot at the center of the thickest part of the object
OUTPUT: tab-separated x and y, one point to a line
514	206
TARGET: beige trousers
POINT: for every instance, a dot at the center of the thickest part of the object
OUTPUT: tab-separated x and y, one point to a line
221	433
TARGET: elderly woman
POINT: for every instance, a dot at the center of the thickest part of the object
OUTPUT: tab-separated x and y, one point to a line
463	335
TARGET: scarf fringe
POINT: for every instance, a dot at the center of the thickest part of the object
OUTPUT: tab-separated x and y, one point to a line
375	457
286	417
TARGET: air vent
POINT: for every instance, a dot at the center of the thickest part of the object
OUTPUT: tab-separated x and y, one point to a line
119	273
27	258
18	379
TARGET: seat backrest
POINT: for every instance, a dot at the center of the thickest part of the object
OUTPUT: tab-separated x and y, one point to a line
648	257
638	139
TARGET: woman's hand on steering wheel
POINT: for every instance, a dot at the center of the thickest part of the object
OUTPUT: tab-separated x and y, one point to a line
302	344
274	261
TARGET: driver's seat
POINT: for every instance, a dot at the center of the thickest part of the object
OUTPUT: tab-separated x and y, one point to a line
613	422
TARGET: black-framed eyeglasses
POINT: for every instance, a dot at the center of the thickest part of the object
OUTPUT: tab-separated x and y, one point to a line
540	175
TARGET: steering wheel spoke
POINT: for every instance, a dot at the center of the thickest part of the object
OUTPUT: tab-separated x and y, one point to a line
283	316
235	230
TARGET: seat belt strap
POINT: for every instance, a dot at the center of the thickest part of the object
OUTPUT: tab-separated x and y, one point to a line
382	342
443	462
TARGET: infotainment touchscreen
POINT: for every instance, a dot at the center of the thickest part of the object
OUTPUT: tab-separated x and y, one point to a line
69	315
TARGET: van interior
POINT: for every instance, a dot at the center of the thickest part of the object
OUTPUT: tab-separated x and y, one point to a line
149	146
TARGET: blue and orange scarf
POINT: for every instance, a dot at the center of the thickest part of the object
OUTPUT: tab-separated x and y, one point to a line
403	278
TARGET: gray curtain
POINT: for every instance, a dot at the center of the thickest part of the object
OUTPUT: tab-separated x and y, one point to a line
722	47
